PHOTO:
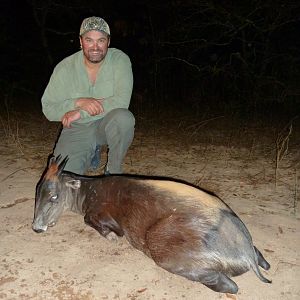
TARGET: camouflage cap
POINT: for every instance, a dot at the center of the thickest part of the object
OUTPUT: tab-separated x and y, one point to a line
94	23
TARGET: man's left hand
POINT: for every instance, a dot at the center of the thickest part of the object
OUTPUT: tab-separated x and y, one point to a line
70	117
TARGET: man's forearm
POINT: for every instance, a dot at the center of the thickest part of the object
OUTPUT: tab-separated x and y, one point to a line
54	111
91	105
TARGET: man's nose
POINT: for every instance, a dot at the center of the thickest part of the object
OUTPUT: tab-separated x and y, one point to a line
95	46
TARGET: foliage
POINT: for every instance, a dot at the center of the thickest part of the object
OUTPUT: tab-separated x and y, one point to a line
230	54
232	50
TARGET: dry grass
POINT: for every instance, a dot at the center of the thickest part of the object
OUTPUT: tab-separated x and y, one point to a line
28	135
33	137
10	127
282	146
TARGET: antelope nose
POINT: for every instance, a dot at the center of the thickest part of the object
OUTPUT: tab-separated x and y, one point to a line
38	230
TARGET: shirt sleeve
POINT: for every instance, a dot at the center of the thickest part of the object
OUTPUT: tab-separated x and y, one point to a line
123	83
54	102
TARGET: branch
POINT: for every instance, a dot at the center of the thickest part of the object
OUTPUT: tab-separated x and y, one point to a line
182	60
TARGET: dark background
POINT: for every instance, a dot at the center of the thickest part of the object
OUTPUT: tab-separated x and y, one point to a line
236	57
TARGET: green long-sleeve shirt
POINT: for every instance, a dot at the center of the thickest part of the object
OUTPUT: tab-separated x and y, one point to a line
69	81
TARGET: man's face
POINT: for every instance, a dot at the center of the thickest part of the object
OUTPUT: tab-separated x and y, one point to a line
94	45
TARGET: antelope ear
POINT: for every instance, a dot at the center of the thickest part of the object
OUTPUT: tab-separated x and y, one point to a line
57	159
52	160
74	184
62	164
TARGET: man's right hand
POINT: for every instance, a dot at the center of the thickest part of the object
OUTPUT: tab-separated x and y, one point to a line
91	105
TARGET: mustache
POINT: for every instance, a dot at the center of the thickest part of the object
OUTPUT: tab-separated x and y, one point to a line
95	50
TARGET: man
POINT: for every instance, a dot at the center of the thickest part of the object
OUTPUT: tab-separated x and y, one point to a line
89	92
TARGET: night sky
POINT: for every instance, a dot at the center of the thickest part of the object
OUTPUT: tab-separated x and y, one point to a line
215	52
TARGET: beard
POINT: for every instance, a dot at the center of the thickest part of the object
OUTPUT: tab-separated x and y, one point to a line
94	56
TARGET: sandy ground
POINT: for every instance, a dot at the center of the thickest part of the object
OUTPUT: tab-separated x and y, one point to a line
72	261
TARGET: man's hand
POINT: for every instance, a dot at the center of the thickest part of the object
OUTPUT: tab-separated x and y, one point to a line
91	105
70	117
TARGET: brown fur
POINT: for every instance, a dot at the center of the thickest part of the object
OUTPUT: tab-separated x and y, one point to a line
51	173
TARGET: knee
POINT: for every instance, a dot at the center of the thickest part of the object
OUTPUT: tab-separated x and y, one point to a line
123	118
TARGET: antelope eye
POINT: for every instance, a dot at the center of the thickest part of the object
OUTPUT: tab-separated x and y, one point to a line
54	198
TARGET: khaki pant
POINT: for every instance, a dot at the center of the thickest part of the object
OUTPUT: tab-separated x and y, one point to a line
116	130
